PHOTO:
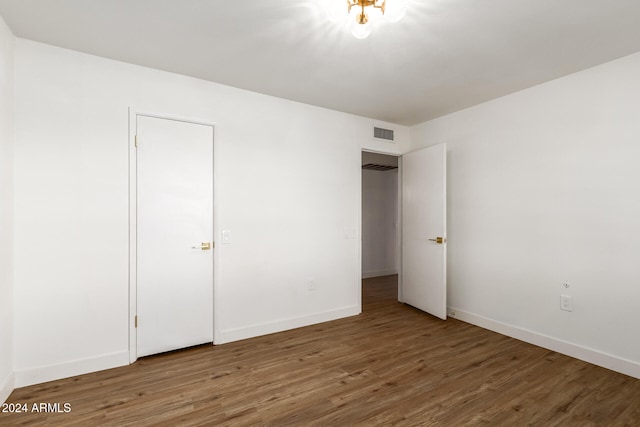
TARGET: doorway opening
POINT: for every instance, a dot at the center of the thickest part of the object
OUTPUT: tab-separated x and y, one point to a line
380	220
404	224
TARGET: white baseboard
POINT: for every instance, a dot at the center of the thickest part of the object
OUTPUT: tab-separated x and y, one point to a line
380	273
6	387
618	364
237	334
43	374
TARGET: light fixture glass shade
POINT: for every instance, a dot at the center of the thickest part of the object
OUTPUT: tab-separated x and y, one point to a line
355	12
365	14
375	13
395	10
360	31
335	10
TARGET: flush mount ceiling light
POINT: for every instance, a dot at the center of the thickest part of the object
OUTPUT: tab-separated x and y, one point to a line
361	27
363	14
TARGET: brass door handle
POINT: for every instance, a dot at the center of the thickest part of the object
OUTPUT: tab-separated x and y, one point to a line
438	240
205	246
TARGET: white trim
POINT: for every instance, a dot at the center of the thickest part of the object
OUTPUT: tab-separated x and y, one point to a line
133	114
380	273
6	387
609	361
399	231
286	324
358	266
385	152
70	369
133	273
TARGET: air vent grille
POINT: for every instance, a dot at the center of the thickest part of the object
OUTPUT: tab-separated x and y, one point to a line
381	133
373	166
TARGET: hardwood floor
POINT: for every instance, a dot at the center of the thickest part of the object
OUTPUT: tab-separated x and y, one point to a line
392	365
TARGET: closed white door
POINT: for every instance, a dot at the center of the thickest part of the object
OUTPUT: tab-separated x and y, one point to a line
424	213
174	234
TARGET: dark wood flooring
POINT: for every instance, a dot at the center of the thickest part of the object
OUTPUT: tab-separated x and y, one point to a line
392	365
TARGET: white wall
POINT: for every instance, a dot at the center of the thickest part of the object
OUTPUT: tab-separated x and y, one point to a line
287	186
379	223
544	187
7	42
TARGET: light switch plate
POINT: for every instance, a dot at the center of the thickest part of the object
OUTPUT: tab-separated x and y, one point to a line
226	237
566	303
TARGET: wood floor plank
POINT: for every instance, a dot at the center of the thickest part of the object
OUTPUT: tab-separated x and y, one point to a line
392	365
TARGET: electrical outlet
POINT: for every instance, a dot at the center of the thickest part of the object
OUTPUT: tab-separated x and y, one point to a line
566	303
311	285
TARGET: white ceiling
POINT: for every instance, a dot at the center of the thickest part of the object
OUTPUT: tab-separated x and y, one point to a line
445	55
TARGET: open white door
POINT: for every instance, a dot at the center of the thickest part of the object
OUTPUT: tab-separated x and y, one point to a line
424	213
174	234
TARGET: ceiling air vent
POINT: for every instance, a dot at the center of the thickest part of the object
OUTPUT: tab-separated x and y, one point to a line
380	133
374	167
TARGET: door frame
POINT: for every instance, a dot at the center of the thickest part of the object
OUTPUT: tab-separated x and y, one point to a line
399	216
133	222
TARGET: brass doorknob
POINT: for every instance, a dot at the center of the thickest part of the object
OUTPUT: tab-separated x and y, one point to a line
205	246
438	240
